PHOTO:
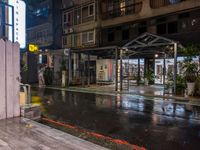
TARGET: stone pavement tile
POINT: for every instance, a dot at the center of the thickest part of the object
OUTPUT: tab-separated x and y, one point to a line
24	134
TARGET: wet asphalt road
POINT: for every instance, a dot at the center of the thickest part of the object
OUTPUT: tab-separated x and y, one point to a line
154	124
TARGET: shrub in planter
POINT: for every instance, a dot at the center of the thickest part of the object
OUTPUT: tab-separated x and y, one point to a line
180	85
149	77
197	87
190	74
190	68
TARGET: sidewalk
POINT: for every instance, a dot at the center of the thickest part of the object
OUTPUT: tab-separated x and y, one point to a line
154	91
24	134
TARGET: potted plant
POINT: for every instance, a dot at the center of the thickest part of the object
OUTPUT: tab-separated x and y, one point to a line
180	85
190	73
190	68
197	87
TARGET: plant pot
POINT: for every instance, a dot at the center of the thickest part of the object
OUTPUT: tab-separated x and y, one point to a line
190	87
146	82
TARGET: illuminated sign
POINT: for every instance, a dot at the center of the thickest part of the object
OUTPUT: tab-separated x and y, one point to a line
19	22
33	48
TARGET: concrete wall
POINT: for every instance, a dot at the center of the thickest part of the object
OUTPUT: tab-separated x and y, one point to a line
9	79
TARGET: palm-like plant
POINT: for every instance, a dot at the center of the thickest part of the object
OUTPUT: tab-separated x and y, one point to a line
191	71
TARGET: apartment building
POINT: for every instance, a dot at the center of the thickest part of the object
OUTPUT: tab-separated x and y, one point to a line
80	24
105	23
123	20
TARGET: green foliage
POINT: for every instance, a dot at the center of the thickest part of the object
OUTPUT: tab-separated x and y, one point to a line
191	50
190	68
180	85
197	87
24	67
150	76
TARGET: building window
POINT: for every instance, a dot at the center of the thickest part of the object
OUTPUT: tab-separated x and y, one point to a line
68	19
111	35
125	34
64	40
184	15
172	27
88	37
117	8
88	11
142	28
162	28
77	16
162	3
91	10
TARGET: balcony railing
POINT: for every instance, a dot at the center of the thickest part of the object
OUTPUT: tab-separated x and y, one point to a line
122	11
161	3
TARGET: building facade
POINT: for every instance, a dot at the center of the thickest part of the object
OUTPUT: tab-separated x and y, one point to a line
80	24
102	22
124	20
97	24
44	29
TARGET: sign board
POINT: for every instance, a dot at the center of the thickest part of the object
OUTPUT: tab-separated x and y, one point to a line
33	48
19	22
66	52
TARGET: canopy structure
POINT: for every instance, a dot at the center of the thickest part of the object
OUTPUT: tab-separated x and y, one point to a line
148	40
149	44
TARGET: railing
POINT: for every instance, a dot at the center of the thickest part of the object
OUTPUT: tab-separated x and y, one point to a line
161	3
122	11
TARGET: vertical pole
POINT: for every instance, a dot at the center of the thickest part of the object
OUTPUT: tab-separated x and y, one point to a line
138	80
164	71
128	75
88	69
121	70
13	25
175	66
116	69
69	67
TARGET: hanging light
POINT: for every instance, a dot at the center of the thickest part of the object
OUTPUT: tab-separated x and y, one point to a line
156	55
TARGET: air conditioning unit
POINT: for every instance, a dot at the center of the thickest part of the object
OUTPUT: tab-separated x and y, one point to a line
68	30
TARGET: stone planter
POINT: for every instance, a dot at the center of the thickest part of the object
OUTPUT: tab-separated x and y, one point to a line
146	82
190	88
64	78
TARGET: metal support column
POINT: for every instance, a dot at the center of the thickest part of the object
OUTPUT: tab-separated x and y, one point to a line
164	71
138	79
121	70
175	66
116	69
69	68
88	70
